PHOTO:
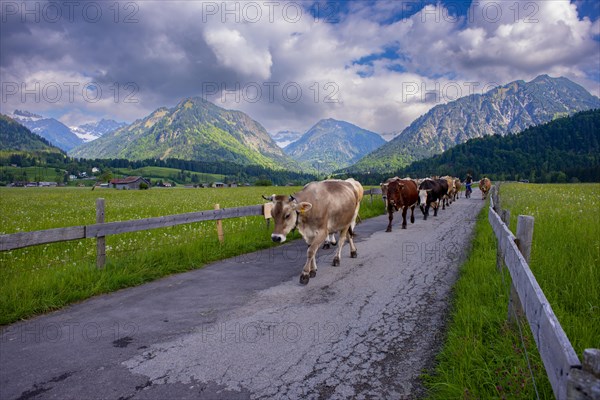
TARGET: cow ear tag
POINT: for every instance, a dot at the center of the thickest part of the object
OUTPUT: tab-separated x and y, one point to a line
304	207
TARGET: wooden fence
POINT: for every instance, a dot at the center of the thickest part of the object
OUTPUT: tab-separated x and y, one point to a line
101	229
569	379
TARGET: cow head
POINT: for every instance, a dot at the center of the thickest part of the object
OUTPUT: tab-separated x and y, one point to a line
285	213
423	197
394	195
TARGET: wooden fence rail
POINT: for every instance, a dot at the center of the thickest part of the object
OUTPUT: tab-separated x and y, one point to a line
101	229
560	360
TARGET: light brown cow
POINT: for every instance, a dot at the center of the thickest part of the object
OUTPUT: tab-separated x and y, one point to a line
318	209
485	185
450	193
331	240
457	187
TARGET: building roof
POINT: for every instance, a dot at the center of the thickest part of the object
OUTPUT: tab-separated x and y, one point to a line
124	181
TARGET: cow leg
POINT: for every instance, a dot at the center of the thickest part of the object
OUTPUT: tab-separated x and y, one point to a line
435	209
412	215
426	212
343	236
443	204
310	268
404	211
332	239
391	217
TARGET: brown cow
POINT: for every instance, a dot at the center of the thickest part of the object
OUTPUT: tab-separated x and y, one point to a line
484	185
317	210
402	194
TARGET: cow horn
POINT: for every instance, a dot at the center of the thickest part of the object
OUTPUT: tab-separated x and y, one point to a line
292	198
267	198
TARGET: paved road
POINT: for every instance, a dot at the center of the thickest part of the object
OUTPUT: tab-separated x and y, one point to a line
244	327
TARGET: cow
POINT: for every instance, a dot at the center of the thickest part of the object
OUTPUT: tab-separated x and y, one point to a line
484	185
331	240
450	192
318	209
457	187
402	194
384	189
430	192
444	191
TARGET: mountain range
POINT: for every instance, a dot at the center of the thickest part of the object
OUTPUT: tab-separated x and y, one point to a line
195	129
16	137
54	131
332	144
569	146
506	109
60	135
93	130
284	138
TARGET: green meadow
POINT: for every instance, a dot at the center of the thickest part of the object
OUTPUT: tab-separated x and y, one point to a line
483	356
42	278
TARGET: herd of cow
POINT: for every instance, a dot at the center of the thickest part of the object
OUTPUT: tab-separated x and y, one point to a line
323	208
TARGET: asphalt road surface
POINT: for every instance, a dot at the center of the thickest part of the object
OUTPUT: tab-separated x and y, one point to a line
245	328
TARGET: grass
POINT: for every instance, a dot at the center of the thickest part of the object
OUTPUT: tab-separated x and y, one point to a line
42	278
483	356
566	252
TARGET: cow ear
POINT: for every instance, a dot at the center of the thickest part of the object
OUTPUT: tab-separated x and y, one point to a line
303	207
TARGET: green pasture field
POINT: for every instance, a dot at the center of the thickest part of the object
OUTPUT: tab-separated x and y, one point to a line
41	278
169	174
36	174
483	356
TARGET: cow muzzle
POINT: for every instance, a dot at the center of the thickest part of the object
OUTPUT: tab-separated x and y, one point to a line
278	238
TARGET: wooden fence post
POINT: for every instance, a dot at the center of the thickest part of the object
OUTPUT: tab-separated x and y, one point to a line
505	216
496	197
219	226
584	384
524	238
100	240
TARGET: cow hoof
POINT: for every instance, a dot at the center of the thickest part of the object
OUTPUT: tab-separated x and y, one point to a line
403	226
388	230
326	246
336	262
304	279
312	274
425	218
353	254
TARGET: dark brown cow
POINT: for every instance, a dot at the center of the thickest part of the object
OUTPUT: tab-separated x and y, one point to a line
485	185
401	194
319	209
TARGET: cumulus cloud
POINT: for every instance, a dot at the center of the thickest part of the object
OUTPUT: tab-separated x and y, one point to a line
379	65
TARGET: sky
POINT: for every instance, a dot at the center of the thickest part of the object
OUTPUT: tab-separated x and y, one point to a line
376	64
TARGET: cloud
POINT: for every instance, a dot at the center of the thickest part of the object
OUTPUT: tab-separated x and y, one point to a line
288	66
234	51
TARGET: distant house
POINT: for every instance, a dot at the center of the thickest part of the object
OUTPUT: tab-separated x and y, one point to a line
167	184
218	184
72	177
95	170
131	182
233	184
